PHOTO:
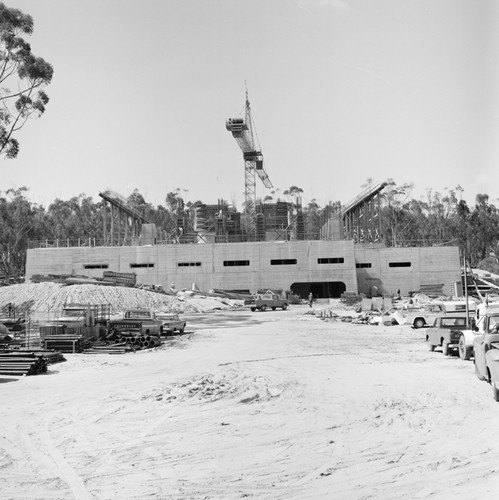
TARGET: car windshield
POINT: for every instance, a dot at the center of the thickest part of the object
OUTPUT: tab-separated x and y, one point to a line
138	314
493	322
449	322
73	312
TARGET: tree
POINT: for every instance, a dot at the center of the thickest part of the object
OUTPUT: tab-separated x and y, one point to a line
20	221
23	78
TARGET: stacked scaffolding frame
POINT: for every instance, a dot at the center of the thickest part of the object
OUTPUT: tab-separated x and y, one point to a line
361	217
120	223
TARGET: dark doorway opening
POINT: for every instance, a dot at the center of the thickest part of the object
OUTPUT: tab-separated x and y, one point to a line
320	290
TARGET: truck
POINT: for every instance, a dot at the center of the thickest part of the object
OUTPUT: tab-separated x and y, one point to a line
445	333
427	315
170	322
139	321
263	301
75	327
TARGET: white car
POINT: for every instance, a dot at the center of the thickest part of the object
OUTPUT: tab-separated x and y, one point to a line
486	349
426	316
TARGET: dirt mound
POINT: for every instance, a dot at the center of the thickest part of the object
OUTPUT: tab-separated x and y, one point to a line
52	296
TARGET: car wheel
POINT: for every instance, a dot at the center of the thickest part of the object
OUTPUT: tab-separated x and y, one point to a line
253	309
464	350
419	323
181	330
284	307
263	308
445	348
495	391
431	347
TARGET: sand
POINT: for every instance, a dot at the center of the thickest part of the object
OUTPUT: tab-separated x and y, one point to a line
274	405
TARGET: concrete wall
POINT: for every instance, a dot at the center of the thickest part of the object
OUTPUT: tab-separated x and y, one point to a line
428	266
211	273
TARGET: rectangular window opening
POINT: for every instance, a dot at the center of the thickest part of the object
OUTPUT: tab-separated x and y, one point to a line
331	260
141	265
362	265
282	262
188	264
96	266
399	264
236	263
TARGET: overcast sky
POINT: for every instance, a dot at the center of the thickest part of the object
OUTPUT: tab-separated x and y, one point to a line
341	91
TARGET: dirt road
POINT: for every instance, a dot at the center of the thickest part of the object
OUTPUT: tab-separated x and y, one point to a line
254	405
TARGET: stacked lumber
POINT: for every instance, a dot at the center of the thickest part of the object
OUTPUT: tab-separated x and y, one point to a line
126	279
21	363
64	343
432	289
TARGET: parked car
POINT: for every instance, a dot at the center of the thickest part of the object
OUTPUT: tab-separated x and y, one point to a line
445	333
467	338
170	322
426	316
486	350
141	321
262	301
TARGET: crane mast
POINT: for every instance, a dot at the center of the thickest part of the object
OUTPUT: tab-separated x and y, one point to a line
242	131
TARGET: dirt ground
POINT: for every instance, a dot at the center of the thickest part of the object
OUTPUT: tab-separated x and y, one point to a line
274	405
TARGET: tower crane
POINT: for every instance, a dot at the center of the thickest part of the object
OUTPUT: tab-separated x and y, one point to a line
242	131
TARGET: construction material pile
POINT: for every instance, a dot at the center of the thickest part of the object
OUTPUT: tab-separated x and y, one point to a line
52	296
124	343
21	363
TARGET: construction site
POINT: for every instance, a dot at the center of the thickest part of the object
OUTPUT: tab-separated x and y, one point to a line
264	247
166	360
220	253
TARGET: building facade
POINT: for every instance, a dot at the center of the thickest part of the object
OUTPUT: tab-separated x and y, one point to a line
325	268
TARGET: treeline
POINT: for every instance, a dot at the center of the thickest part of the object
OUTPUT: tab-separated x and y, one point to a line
438	219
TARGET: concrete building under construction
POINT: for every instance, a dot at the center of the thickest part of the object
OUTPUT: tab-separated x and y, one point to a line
349	256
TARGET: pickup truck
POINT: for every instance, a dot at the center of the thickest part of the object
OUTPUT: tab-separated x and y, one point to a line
140	321
171	322
427	315
262	301
445	333
486	351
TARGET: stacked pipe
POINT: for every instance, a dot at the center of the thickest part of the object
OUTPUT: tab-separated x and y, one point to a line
20	364
116	348
50	356
141	341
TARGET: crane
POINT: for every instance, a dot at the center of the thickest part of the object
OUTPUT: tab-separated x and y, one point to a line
242	131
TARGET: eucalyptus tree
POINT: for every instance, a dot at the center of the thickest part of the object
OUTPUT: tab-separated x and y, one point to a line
20	222
23	78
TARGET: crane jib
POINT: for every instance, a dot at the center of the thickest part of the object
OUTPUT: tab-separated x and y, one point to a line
253	155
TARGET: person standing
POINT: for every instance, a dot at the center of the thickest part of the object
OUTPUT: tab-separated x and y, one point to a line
310	299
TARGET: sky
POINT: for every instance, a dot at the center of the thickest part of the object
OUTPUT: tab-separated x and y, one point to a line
341	91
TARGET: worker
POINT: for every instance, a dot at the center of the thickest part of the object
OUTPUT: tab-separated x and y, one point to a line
482	308
310	299
481	311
